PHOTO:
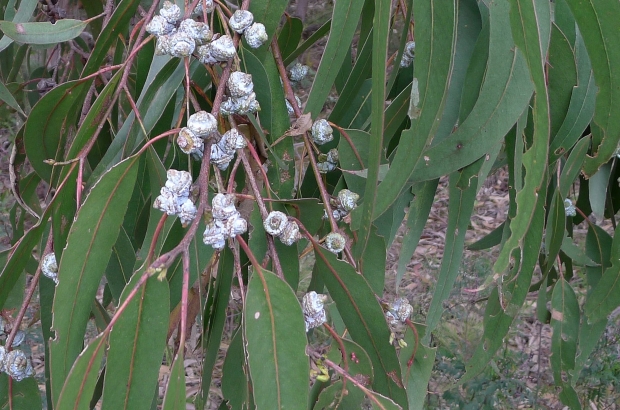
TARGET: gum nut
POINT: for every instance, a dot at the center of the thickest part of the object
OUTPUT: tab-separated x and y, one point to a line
289	107
335	242
400	309
166	202
2	326
325	167
163	45
214	235
171	12
2	359
235	225
241	20
159	26
313	303
204	54
219	157
332	156
409	50
178	182
18	366
240	84
229	106
298	72
223	48
198	31
49	267
181	45
322	132
256	35
348	199
275	223
19	338
207	5
202	123
223	206
405	61
186	140
232	140
248	104
187	212
290	234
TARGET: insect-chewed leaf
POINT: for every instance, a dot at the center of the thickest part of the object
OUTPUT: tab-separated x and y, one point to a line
276	343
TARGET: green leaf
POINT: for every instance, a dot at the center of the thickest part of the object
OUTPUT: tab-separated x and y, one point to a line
381	29
80	385
316	36
235	381
7	97
565	325
577	255
25	394
364	319
460	209
494	238
48	124
43	32
605	296
269	14
572	167
337	396
417	376
82	265
175	391
562	77
347	14
276	343
417	216
137	343
290	35
554	233
598	24
24	13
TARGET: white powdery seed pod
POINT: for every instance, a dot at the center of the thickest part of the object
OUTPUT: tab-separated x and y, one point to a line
178	182
569	208
171	12
18	366
240	20
49	267
163	45
189	143
229	106
159	26
181	45
231	141
214	235
405	61
202	123
325	167
240	84
313	306
275	223
2	321
335	242
220	158
256	35
398	312
348	200
409	50
333	156
198	31
223	49
2	359
235	225
204	54
298	72
166	202
207	5
19	338
289	107
322	132
248	104
290	235
187	212
223	206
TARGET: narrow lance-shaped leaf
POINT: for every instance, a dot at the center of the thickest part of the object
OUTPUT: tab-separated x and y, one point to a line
83	263
24	13
175	391
276	343
363	317
43	32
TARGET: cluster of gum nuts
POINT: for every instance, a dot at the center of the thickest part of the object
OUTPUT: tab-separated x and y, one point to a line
14	363
182	38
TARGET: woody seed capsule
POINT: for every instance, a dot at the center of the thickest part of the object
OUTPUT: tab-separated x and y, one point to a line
240	84
241	20
322	132
335	242
275	223
171	12
256	35
223	48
